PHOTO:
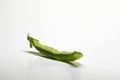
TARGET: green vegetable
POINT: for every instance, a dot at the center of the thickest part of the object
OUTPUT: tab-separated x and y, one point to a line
52	53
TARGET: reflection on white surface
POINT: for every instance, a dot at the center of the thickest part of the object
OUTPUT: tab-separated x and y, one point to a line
45	69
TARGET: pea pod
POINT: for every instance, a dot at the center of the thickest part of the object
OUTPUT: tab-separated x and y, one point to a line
52	52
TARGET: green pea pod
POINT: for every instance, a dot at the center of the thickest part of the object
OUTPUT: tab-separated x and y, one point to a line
53	53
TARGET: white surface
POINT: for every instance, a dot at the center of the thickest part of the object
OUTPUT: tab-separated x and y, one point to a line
89	26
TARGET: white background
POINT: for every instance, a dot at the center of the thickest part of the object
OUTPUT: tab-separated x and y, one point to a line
89	26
